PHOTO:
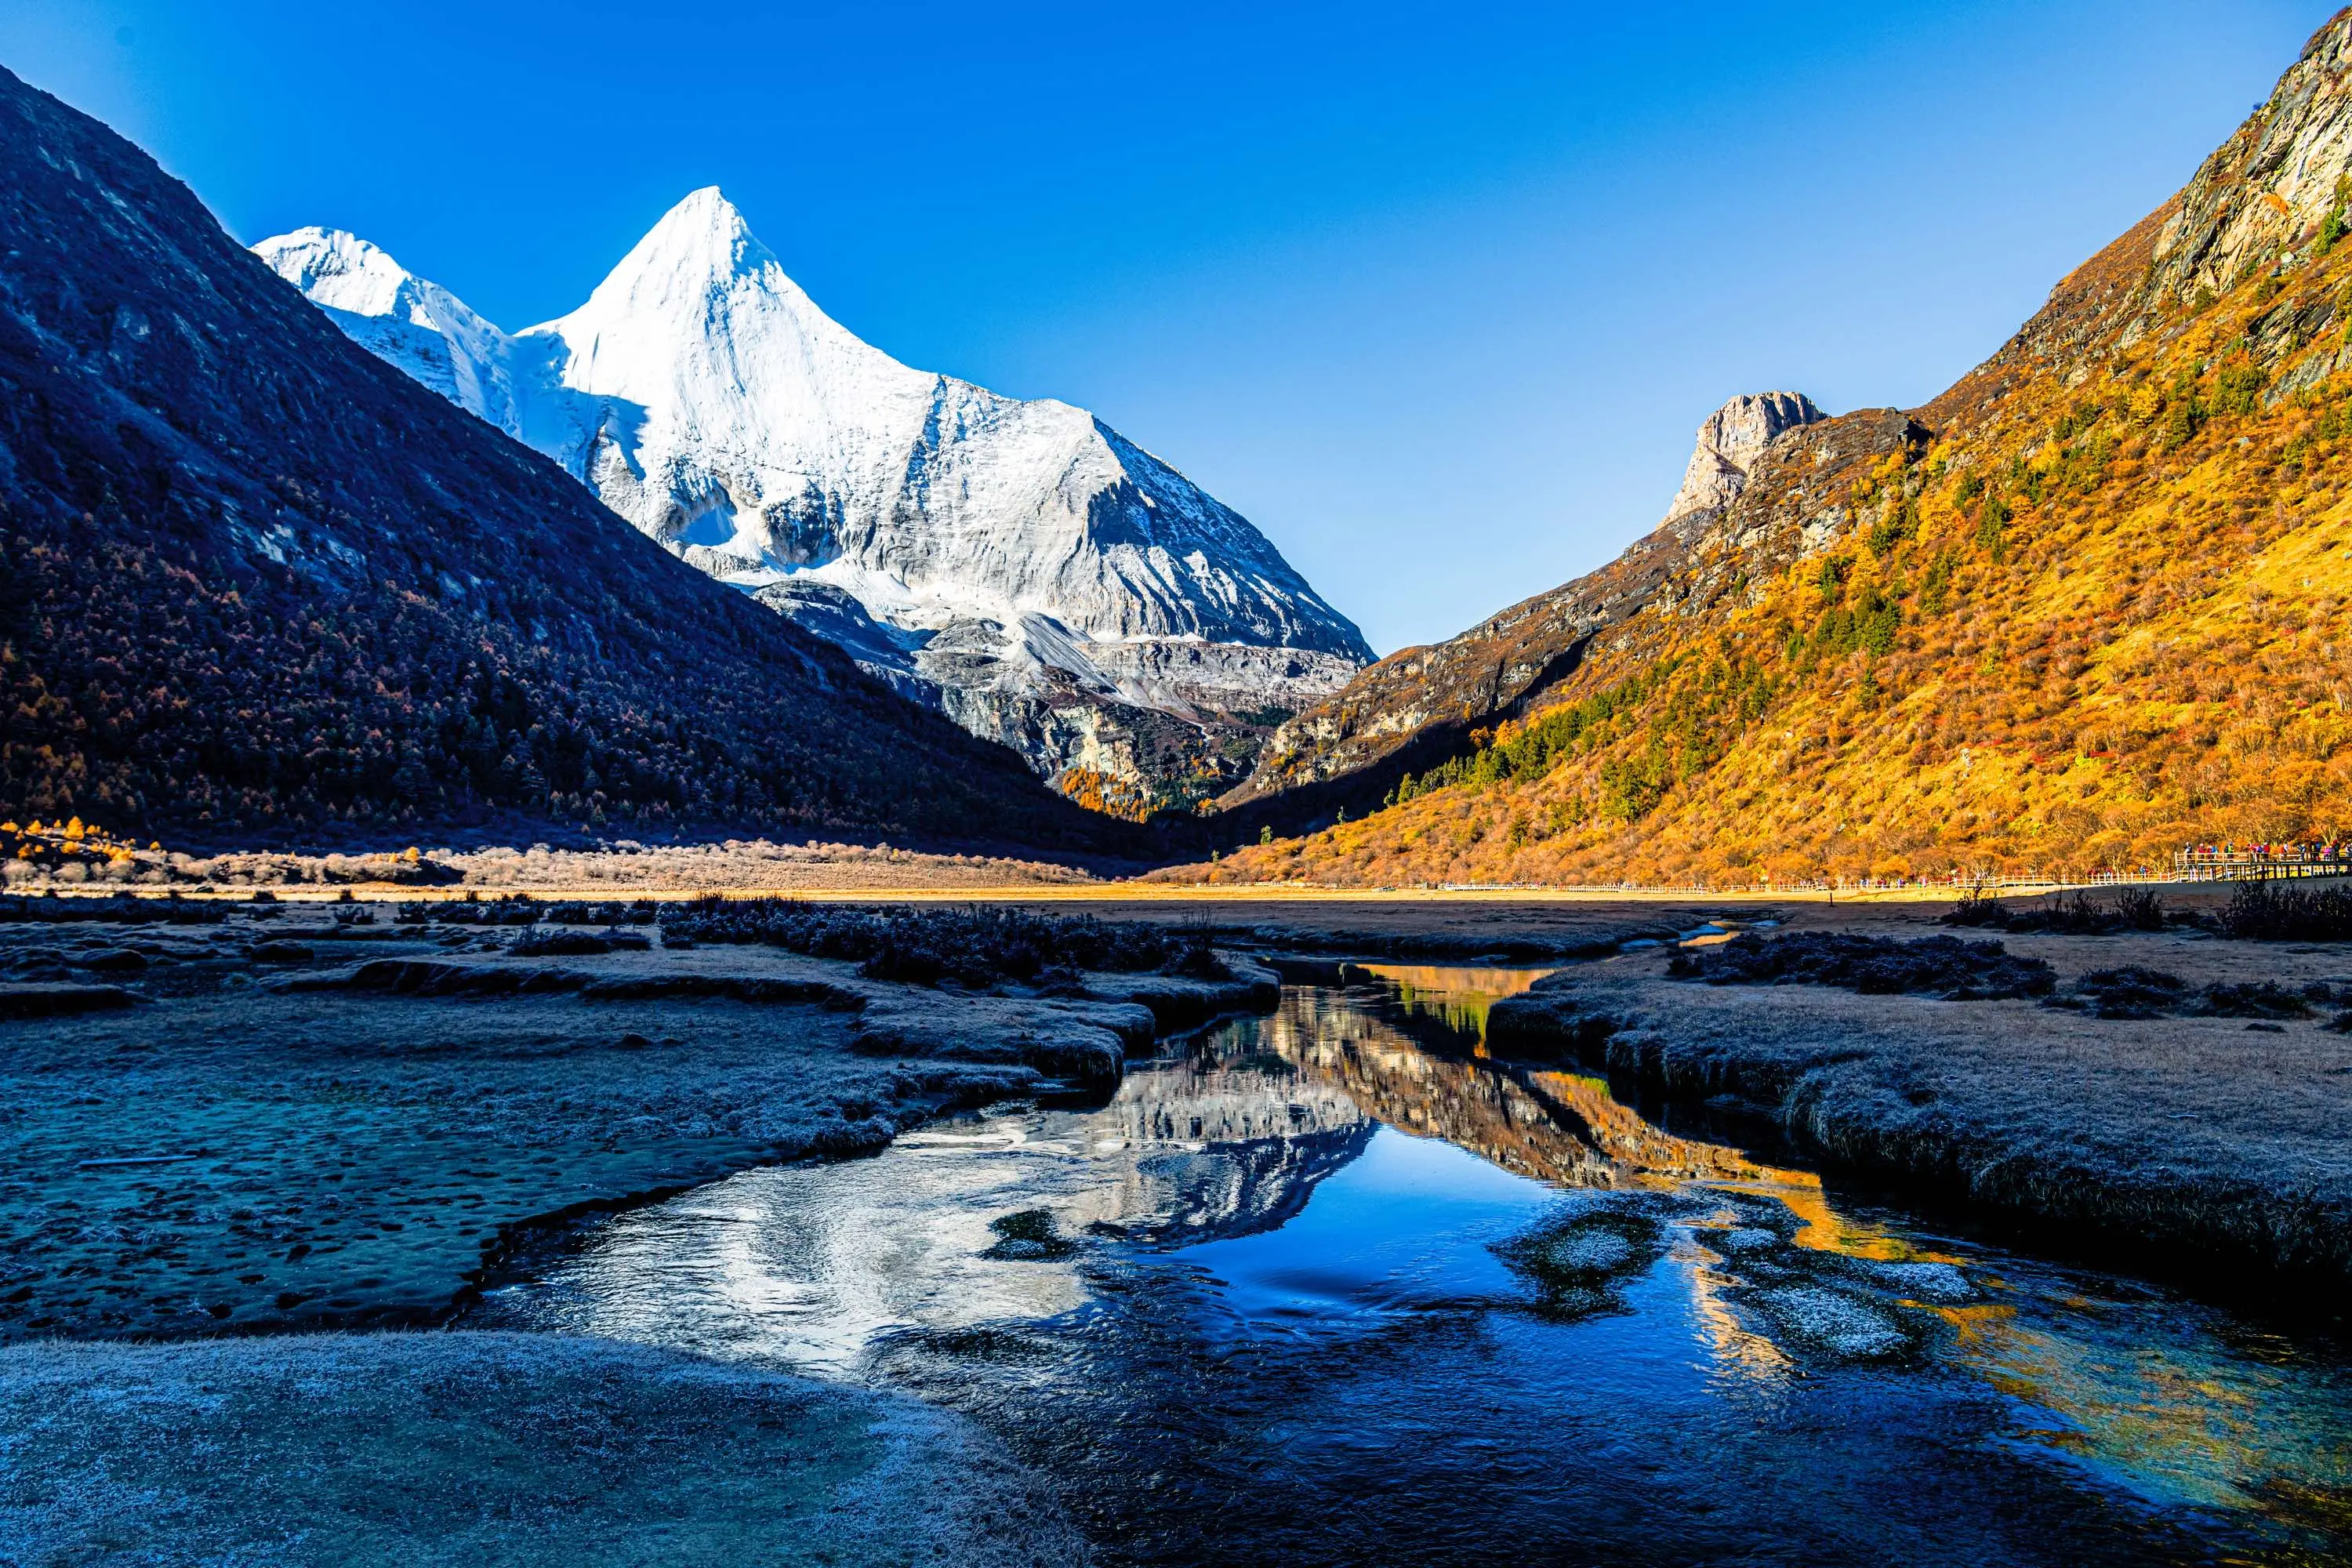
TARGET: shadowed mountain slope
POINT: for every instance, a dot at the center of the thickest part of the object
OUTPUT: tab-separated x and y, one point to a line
2084	608
256	583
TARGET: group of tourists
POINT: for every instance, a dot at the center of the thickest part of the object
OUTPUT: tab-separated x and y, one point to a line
2326	852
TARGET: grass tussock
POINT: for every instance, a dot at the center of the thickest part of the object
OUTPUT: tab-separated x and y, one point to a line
974	945
2272	911
2078	913
2132	993
1939	965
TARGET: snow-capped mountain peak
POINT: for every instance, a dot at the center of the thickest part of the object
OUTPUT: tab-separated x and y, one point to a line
691	276
701	328
341	271
701	240
414	324
1007	556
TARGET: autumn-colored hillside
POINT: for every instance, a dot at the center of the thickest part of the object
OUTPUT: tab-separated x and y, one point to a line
2084	609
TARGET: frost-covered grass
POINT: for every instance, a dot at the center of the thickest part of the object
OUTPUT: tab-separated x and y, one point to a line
976	945
248	1144
2195	1126
1970	970
465	1448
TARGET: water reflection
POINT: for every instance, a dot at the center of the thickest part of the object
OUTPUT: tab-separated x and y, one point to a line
1442	1007
813	1264
1333	1286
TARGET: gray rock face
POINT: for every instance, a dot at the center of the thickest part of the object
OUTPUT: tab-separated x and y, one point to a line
2258	207
2265	192
1417	706
1120	709
1728	444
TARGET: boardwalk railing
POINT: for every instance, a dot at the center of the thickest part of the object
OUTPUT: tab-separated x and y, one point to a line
2188	865
2260	862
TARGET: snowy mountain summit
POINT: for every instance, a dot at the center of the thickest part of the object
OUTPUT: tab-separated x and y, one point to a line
1045	580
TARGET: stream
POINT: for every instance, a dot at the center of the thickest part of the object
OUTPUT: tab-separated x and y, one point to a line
1330	1286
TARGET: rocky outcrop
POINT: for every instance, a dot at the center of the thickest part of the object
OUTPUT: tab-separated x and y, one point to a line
1767	480
2261	205
1728	444
2271	186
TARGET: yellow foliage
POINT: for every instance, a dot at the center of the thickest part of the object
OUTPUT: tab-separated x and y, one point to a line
2144	647
1107	793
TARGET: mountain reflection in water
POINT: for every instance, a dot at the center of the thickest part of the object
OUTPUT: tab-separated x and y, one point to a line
1332	1286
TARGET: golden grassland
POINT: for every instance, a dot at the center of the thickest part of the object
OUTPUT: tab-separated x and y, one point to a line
2104	623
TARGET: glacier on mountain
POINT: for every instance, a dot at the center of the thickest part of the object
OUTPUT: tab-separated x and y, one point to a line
1016	561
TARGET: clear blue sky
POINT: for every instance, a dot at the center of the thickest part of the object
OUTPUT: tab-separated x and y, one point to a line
1433	293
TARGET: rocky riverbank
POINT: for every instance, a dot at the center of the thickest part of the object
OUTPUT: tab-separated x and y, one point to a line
297	1117
2166	1098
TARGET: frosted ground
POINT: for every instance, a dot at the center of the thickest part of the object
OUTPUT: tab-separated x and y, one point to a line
260	1120
488	1448
309	1121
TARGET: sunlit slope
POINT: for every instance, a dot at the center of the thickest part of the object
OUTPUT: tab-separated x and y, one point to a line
2084	608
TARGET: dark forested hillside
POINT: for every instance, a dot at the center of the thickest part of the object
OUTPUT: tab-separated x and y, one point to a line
254	581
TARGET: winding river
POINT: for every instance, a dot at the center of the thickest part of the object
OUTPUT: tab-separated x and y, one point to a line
1330	1286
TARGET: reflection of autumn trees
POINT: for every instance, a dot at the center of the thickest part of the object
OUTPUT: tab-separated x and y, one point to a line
1630	1142
1447	1006
1550	1126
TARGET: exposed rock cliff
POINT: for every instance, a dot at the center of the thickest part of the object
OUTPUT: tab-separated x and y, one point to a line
1420	705
1730	441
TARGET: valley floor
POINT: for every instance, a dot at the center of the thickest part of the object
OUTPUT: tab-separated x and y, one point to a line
290	1118
277	1119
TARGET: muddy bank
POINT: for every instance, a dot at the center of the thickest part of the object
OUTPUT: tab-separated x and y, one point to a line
281	1121
468	1448
2209	1146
